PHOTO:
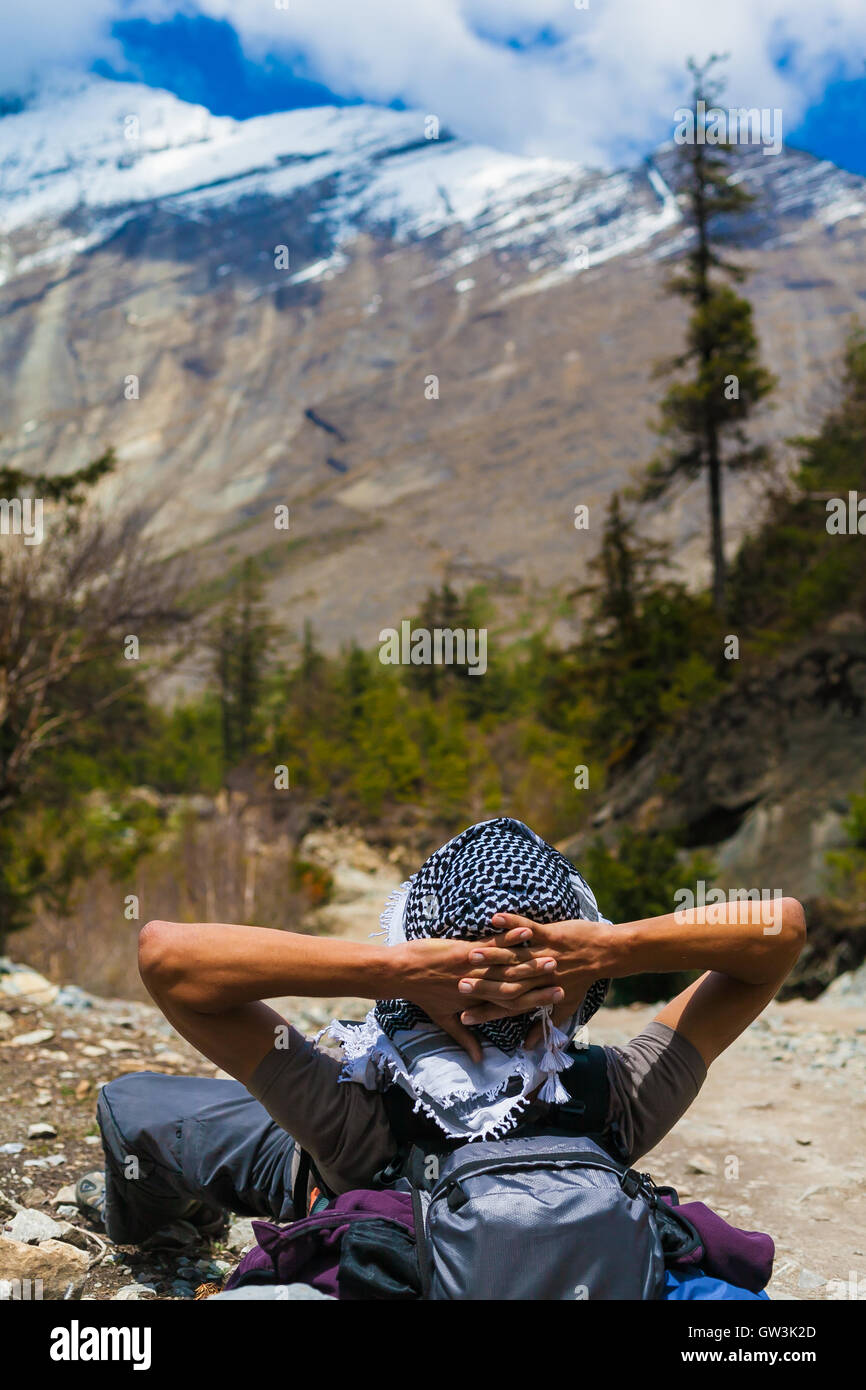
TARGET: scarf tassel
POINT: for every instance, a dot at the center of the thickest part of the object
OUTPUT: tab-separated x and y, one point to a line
553	1091
554	1060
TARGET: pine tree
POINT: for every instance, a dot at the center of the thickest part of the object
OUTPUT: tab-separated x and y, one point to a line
242	641
641	625
445	610
703	413
70	489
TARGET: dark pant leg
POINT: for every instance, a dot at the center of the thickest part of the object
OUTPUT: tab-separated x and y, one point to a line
171	1141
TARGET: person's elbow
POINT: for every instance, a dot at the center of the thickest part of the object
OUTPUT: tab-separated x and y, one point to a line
163	959
792	929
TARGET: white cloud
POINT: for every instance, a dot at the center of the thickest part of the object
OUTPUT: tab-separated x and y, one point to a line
608	89
41	33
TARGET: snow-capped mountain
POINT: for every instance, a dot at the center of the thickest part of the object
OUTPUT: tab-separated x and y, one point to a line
99	149
140	238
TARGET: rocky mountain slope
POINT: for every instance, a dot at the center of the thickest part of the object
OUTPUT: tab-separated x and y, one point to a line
761	776
140	239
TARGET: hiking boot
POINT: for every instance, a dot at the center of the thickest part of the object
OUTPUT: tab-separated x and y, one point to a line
90	1198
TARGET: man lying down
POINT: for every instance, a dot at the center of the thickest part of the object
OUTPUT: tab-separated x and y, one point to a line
495	957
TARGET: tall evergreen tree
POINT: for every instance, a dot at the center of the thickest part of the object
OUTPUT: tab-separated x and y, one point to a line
242	641
720	377
641	625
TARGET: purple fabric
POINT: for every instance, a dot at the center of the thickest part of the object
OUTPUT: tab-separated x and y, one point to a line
308	1251
740	1257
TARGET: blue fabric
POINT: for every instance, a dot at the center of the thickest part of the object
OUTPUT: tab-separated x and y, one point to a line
693	1283
196	1138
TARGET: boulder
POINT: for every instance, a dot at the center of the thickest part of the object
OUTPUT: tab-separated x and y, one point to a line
61	1269
23	985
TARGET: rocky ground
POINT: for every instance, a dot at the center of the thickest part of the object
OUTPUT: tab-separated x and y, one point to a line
776	1140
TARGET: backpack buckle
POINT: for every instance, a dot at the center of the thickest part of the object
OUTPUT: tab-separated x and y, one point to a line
632	1183
456	1198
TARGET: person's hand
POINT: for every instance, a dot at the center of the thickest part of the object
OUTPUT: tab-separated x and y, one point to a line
515	978
579	948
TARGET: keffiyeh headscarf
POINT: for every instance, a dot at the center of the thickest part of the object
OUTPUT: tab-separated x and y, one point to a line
494	866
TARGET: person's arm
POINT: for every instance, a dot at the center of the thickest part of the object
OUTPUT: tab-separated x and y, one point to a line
209	980
746	948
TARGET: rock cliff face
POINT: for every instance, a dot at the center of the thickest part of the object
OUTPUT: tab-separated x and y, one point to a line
147	304
761	777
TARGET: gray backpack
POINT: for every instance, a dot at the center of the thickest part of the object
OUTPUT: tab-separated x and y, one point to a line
537	1217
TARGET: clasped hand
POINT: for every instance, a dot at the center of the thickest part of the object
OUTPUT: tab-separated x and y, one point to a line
526	965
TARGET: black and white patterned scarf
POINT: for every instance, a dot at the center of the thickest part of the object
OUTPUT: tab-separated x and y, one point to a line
494	866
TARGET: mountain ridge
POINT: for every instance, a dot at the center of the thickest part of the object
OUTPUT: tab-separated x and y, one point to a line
531	290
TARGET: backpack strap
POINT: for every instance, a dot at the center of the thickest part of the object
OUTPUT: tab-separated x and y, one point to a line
308	1182
585	1080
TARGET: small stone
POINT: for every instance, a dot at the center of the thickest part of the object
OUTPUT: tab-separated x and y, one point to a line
815	1190
135	1292
240	1235
32	1039
6	1021
701	1163
71	997
82	1089
171	1059
181	1289
42	1130
30	1227
11	1148
112	1045
90	1051
44	1099
810	1279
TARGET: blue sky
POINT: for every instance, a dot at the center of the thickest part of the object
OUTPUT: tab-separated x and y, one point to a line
598	84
